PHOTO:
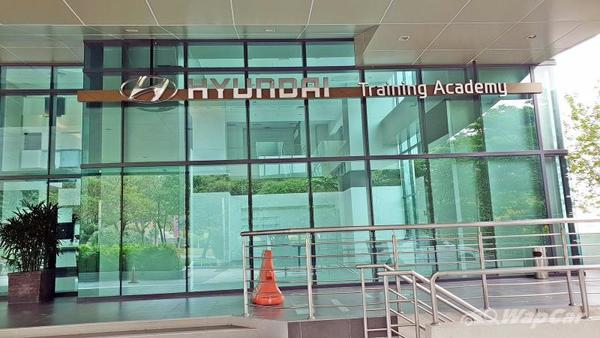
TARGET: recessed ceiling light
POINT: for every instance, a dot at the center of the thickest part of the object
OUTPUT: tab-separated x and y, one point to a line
531	36
132	30
404	38
269	30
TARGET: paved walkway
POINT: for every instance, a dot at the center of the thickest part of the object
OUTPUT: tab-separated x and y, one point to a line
344	302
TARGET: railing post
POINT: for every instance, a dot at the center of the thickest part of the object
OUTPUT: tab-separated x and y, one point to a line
364	301
309	273
567	262
584	295
434	304
484	285
386	301
245	278
396	261
416	307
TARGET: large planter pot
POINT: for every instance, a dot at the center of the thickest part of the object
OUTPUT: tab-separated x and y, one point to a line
31	287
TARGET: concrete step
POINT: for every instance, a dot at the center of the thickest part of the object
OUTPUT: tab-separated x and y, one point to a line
224	331
221	327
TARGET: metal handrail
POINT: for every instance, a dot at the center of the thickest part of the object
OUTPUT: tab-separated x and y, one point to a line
541	221
507	271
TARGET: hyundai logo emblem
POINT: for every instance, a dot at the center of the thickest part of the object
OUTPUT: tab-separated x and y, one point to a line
148	89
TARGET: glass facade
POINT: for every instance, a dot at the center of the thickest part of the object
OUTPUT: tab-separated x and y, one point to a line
157	195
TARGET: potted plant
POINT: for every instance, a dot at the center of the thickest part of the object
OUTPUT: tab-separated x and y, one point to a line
29	244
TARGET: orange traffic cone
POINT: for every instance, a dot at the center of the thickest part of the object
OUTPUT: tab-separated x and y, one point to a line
267	292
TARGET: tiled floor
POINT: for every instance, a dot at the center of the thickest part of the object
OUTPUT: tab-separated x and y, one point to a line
329	303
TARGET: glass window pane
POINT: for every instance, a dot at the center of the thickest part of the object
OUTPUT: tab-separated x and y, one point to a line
399	192
393	125
555	187
101	133
432	75
136	56
277	129
338	79
154	133
279	196
65	193
218	213
218	130
68	113
215	55
99	233
18	77
274	55
511	177
154	230
330	53
514	74
509	123
339	193
453	125
24	130
547	104
335	127
390	77
99	81
68	78
14	195
168	55
98	55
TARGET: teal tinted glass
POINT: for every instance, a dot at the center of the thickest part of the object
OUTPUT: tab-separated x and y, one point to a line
25	77
274	54
394	126
68	78
136	56
548	107
66	134
335	127
154	133
215	55
153	231
514	74
217	130
106	81
330	54
509	123
101	133
24	134
66	193
277	129
390	77
338	79
280	196
453	125
399	192
98	55
218	213
431	75
339	193
168	55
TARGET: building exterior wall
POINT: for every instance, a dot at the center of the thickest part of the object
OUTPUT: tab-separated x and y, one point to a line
159	193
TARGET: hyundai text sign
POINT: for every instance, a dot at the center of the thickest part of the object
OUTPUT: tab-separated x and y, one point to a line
156	89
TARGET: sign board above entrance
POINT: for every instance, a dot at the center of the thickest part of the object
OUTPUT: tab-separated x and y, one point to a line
155	89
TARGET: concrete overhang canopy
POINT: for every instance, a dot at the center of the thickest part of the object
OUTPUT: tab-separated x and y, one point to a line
386	31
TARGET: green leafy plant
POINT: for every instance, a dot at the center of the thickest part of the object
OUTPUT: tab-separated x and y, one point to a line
29	240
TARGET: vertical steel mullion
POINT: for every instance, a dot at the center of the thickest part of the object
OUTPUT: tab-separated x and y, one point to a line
311	215
367	162
187	171
124	57
249	174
